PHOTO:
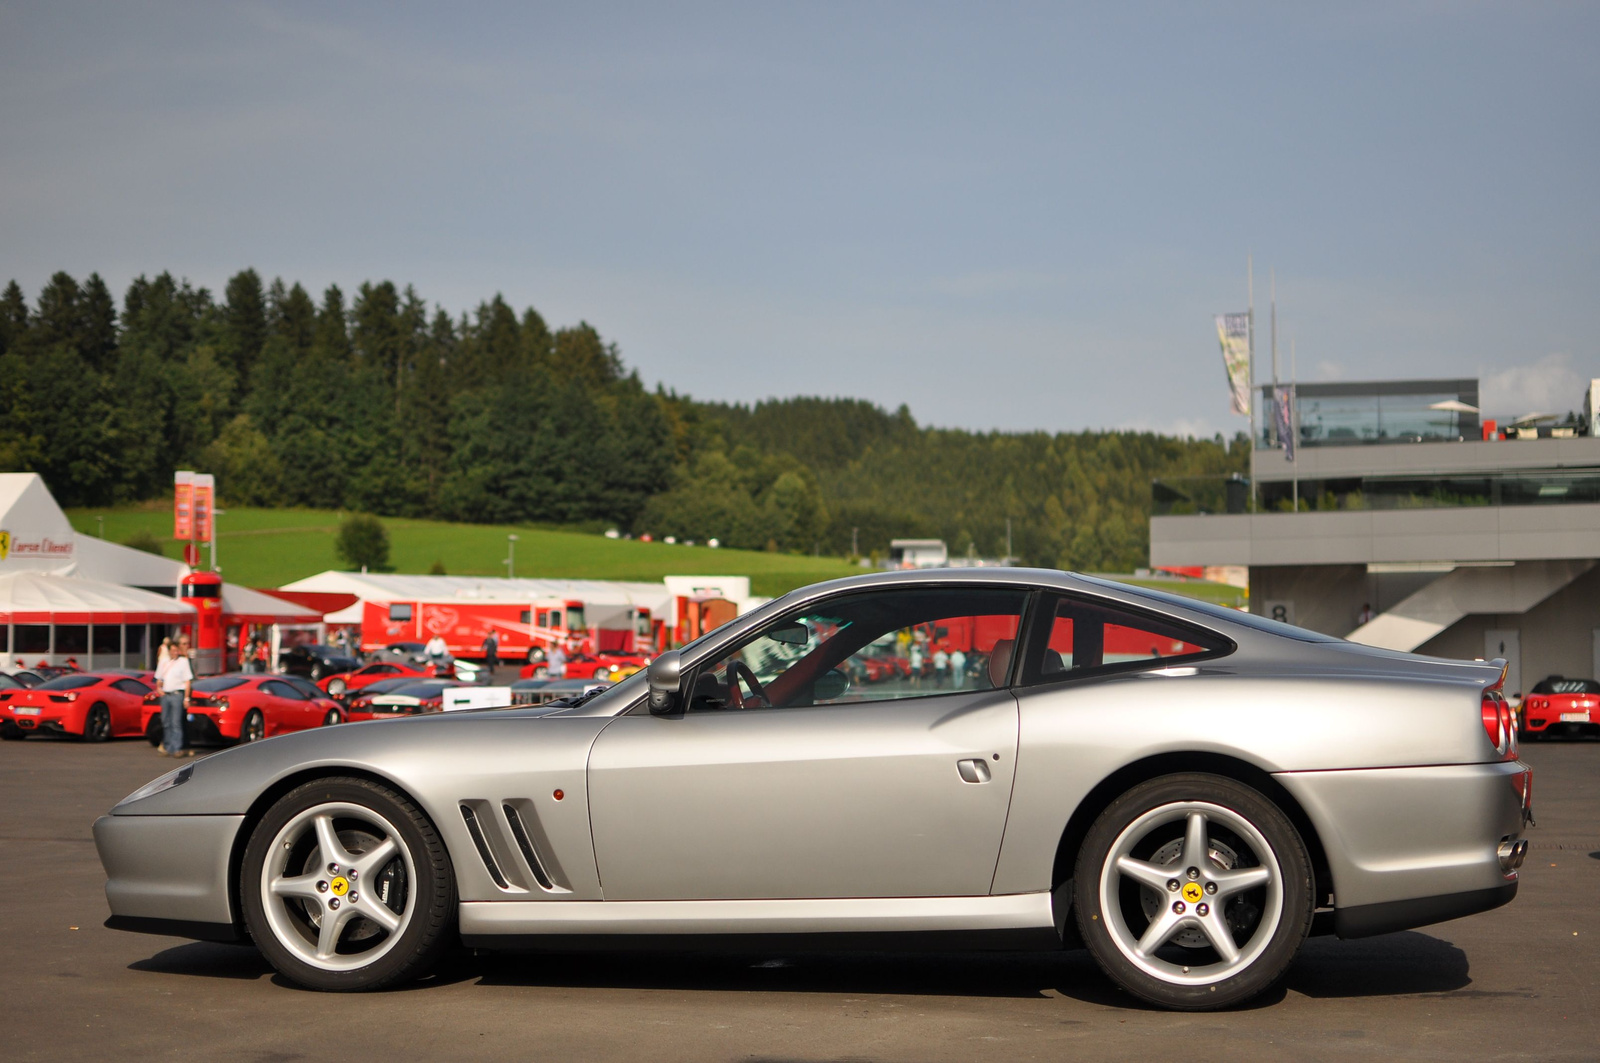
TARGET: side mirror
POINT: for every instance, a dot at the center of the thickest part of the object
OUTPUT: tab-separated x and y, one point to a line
665	676
830	685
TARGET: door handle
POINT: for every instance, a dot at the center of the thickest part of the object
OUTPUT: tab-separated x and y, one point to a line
973	770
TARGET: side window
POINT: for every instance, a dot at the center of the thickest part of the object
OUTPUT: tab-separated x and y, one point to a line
382	669
131	686
1077	636
878	646
282	690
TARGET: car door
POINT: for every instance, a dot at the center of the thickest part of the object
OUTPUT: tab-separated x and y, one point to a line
127	705
894	788
286	709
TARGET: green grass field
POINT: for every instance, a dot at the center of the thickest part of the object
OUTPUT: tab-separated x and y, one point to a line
271	547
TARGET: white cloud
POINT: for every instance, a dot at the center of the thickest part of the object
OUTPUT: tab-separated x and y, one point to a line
1550	385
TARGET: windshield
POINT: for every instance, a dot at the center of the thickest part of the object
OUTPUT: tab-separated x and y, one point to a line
70	682
1567	686
218	684
1231	616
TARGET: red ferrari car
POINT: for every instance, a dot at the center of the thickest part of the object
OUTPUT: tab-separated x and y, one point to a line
610	665
341	685
240	707
90	705
1558	705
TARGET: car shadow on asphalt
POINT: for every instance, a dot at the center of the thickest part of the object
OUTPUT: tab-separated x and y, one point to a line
1400	964
1404	964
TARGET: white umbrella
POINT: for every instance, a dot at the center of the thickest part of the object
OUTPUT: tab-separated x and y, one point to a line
1453	406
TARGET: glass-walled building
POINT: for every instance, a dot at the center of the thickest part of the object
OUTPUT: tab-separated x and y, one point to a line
1356	413
1409	519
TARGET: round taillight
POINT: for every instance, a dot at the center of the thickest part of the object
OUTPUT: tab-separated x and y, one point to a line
1499	724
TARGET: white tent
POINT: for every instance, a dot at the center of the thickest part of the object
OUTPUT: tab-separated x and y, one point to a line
51	617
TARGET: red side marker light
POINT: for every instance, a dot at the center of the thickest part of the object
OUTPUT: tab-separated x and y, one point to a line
559	794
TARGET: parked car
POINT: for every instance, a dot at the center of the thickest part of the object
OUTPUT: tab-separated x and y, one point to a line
316	661
610	665
341	685
407	699
245	707
415	653
93	706
1561	706
1184	815
25	677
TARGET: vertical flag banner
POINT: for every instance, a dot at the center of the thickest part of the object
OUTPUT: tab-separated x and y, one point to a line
1284	401
204	495
1233	331
182	505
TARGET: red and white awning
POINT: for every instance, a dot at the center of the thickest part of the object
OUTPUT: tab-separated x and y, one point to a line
44	598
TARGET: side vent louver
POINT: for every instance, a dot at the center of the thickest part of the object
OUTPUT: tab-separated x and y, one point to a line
521	834
489	862
515	850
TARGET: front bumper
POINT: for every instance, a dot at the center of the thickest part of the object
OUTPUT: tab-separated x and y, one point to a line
1408	847
168	872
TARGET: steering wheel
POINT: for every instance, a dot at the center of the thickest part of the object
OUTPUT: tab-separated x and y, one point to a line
738	670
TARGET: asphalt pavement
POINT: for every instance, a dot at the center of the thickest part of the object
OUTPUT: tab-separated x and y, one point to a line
1517	983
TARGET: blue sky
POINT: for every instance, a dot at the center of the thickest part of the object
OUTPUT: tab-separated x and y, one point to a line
1005	216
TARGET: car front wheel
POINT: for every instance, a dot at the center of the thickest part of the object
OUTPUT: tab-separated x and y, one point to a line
332	718
346	885
1193	892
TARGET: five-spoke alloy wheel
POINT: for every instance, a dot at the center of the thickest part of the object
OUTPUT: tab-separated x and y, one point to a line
1193	891
346	886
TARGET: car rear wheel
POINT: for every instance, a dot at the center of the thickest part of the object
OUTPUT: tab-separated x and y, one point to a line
347	886
97	725
1193	892
254	728
333	718
337	687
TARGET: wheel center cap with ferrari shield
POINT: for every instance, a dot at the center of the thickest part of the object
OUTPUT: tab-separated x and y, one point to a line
340	886
1192	891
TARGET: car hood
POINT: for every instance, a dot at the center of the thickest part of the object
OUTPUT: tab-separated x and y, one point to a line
403	749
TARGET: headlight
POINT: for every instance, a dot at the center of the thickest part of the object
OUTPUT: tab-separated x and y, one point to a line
173	778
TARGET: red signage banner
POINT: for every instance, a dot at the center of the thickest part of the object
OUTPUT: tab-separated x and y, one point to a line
204	497
182	505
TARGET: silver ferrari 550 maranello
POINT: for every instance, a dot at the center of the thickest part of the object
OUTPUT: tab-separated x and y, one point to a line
989	758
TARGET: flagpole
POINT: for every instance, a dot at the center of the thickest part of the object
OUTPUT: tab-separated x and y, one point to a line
1250	347
1294	424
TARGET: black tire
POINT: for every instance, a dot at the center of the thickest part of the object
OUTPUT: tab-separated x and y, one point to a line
1177	979
333	718
317	672
153	733
432	916
254	727
97	725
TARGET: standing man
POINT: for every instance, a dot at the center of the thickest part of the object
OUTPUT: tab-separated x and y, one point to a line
556	662
175	684
491	655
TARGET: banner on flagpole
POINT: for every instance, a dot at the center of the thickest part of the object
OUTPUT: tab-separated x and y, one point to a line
1284	401
182	505
1233	331
204	499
